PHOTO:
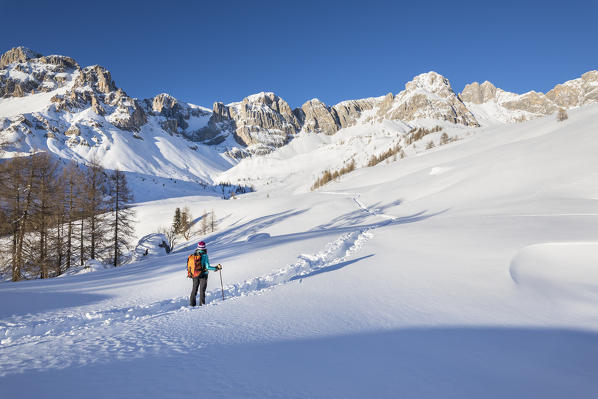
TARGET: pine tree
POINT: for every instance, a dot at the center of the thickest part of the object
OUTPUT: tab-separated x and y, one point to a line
176	221
212	221
122	215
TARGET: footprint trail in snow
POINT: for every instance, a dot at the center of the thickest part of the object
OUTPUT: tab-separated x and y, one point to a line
30	328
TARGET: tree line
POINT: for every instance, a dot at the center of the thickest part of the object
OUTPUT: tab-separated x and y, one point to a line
55	216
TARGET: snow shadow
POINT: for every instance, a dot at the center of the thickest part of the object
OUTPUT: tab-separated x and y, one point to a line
445	362
360	215
239	232
232	242
23	302
330	268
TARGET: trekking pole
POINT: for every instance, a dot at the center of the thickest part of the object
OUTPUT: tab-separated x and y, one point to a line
221	286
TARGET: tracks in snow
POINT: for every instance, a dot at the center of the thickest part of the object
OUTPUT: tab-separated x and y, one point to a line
60	328
29	329
335	252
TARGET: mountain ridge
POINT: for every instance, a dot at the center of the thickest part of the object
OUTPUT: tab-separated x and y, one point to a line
52	103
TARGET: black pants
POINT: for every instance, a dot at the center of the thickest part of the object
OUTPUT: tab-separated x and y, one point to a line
202	284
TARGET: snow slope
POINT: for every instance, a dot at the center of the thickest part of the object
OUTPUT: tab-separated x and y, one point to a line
420	278
297	165
32	103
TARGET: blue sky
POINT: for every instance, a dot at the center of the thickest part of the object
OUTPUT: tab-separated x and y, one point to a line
202	52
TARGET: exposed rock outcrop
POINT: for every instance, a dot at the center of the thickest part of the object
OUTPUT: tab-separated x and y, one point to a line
24	72
385	105
174	116
128	115
97	78
94	88
576	92
349	111
59	60
262	118
478	94
317	117
534	104
74	130
430	96
17	54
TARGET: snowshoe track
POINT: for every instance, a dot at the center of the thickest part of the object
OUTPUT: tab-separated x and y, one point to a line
33	328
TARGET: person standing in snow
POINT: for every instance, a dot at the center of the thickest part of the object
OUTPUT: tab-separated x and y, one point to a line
198	266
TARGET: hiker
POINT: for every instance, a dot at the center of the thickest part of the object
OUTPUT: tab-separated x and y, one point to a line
198	265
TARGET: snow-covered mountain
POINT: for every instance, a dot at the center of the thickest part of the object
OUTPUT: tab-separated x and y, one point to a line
50	103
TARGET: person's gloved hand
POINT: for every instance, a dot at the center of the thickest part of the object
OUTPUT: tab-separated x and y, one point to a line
218	266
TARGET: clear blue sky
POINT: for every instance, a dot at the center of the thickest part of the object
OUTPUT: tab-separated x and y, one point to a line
202	52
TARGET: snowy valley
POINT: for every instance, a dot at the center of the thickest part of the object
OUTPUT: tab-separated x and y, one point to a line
456	258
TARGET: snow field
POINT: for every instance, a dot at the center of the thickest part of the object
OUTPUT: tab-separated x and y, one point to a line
467	282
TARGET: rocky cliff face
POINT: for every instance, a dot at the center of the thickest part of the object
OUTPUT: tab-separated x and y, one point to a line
518	107
316	117
351	110
17	55
577	92
263	118
173	116
94	88
266	120
430	96
476	93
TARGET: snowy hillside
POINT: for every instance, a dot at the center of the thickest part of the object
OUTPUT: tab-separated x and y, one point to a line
462	270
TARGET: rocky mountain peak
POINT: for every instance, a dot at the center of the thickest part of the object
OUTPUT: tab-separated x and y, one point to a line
478	94
430	96
262	118
164	103
96	77
590	76
264	97
267	99
17	54
431	82
317	117
24	72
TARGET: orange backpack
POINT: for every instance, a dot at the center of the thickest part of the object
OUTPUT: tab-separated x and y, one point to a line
194	268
